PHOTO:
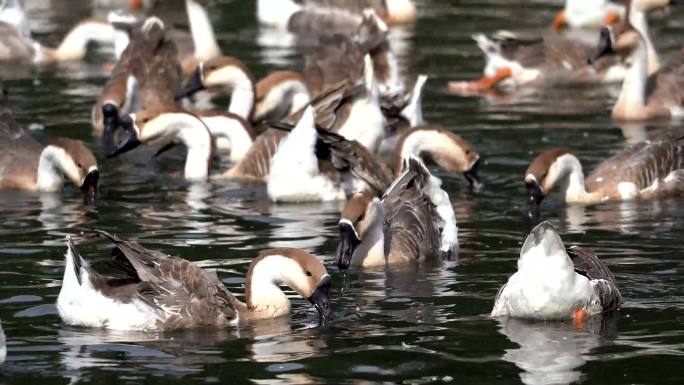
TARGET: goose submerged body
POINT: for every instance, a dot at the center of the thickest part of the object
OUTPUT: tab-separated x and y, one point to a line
550	284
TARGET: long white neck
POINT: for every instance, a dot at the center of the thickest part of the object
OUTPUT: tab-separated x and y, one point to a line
50	177
202	32
638	19
632	97
74	44
418	142
371	251
569	172
195	136
232	129
241	89
265	299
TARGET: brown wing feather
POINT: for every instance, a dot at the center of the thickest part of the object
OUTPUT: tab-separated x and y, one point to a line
19	152
587	264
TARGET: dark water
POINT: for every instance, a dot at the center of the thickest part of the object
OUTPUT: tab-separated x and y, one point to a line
397	326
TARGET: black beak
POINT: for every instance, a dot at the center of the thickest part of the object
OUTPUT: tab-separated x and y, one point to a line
319	298
604	47
676	2
110	120
348	243
193	85
536	195
473	177
129	139
89	187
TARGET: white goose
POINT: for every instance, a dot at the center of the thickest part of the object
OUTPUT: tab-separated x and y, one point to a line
161	292
580	14
552	285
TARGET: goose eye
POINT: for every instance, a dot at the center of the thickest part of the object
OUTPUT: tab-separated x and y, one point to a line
362	217
145	120
308	273
467	152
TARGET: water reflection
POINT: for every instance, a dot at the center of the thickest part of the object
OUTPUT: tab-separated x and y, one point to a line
553	353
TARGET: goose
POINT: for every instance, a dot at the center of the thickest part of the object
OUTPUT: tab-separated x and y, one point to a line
162	292
644	170
145	77
278	13
643	96
25	164
163	128
412	223
16	46
280	92
312	164
580	14
553	59
554	284
3	346
202	44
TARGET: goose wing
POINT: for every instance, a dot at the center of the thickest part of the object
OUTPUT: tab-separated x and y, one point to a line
13	45
642	164
182	291
666	87
587	264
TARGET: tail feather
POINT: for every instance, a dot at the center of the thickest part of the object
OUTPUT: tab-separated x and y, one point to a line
414	175
76	259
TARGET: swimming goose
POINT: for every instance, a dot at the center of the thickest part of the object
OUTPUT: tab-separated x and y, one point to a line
554	284
278	13
281	90
145	77
163	128
553	59
643	97
644	170
161	292
312	164
413	222
3	346
25	164
588	14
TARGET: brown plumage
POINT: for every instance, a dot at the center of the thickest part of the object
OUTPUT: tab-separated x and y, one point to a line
587	264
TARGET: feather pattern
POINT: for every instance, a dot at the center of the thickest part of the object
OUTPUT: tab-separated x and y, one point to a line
587	264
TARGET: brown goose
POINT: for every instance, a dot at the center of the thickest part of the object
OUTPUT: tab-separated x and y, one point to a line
643	96
27	165
145	77
553	283
161	292
413	222
644	170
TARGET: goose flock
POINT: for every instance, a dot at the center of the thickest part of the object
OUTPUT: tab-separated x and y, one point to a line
347	128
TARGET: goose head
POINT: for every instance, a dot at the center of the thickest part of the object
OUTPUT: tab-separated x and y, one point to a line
150	127
78	164
620	40
296	268
359	216
543	173
219	72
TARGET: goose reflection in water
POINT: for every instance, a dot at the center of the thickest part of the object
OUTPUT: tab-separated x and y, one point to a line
553	353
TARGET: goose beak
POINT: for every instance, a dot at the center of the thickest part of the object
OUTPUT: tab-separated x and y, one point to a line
89	187
472	176
193	85
603	48
110	120
349	241
129	139
319	298
536	195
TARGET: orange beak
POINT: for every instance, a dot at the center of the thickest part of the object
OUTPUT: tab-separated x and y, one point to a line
482	84
559	21
611	18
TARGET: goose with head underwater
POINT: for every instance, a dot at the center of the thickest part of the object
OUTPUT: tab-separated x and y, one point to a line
553	283
159	292
26	164
645	95
644	170
413	222
312	164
